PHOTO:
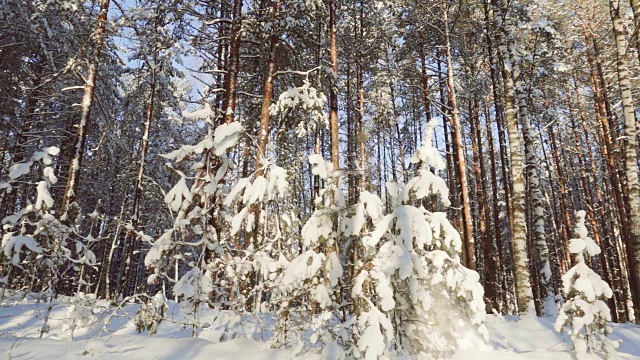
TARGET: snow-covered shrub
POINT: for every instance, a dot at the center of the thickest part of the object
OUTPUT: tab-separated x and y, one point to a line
585	313
256	206
80	312
410	295
151	313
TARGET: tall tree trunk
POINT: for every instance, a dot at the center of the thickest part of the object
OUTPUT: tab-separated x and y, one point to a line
362	182
605	117
333	98
497	233
631	158
233	65
267	96
532	176
488	245
85	113
462	165
137	197
449	155
524	292
499	115
263	131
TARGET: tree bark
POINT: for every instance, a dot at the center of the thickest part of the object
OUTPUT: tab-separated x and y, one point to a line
631	158
85	113
333	98
532	176
524	292
233	66
462	165
267	96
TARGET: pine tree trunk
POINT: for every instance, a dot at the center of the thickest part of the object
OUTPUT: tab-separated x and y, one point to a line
603	114
85	113
462	165
263	131
319	131
267	96
233	65
490	266
362	182
453	190
566	228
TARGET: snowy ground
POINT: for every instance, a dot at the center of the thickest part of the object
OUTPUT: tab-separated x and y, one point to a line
20	323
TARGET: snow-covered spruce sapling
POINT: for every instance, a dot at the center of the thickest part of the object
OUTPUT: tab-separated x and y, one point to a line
421	300
255	205
585	313
19	246
303	282
35	237
197	244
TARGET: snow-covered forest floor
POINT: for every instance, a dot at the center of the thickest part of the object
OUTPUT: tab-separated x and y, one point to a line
109	332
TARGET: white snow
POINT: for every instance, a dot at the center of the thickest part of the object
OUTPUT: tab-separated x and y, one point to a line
226	136
529	338
179	193
205	112
43	197
320	166
12	245
18	170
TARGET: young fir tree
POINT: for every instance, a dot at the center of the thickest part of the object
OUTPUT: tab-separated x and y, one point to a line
22	251
585	313
418	298
38	247
412	294
194	250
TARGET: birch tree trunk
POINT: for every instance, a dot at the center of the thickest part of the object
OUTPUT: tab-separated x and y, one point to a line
499	111
532	176
333	98
631	157
635	7
524	292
